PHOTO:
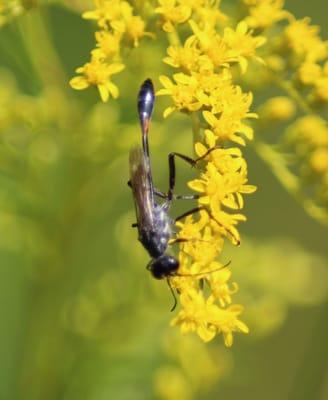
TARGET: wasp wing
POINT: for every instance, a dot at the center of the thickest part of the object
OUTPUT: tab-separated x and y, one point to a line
141	184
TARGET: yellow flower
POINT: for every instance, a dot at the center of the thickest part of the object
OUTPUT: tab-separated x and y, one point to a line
234	46
264	13
213	88
242	44
309	72
192	317
183	93
97	73
172	13
108	44
202	250
219	284
233	168
212	44
200	247
210	16
188	57
179	387
309	132
321	89
218	189
228	127
135	29
189	229
278	108
207	319
304	40
319	160
107	11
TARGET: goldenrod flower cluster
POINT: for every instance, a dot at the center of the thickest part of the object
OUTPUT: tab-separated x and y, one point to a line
296	63
307	137
294	48
204	88
117	26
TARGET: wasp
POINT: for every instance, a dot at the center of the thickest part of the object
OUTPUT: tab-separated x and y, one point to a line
154	224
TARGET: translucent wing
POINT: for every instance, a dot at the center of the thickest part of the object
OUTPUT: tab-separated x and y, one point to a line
141	184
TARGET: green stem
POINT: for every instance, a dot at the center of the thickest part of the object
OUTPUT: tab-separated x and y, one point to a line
289	181
195	127
46	63
173	38
289	88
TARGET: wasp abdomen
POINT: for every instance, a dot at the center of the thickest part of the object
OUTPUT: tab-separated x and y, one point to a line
146	100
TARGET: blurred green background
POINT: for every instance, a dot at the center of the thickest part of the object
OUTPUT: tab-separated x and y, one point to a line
81	318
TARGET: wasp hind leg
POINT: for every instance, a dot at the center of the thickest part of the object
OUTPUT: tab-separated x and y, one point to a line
172	171
165	196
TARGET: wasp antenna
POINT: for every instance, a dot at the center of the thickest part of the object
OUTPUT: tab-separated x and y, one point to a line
206	272
173	294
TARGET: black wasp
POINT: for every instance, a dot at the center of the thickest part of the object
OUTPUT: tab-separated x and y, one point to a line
153	221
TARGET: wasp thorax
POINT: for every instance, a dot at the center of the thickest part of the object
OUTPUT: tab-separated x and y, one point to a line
163	266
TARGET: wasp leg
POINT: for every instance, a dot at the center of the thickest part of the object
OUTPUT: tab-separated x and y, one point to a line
178	240
189	160
160	194
184	240
176	196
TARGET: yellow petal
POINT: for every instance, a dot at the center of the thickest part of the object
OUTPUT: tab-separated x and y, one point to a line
166	82
182	78
209	117
243	63
200	149
112	89
79	83
90	15
103	91
242	327
210	138
242	27
230	202
115	68
248	189
228	339
163	92
197	185
168	111
238	140
205	334
204	200
240	200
